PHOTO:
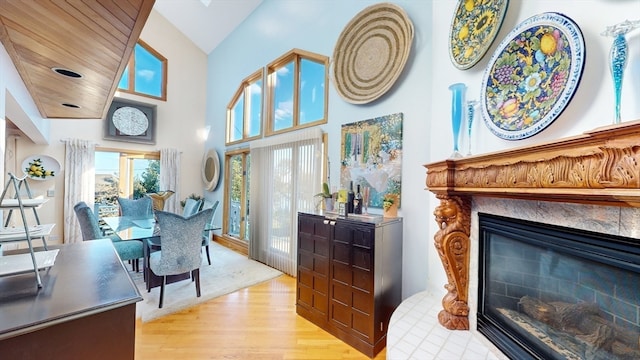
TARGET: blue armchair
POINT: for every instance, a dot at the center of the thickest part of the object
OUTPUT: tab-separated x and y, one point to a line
181	247
141	208
191	206
130	250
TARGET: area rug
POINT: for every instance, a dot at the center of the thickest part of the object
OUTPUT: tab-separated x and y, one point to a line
229	271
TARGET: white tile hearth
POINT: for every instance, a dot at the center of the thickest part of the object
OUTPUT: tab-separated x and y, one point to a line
415	334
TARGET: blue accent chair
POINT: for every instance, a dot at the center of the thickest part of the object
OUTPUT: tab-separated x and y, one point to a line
181	249
129	250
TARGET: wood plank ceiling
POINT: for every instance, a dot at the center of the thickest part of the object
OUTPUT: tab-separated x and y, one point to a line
94	38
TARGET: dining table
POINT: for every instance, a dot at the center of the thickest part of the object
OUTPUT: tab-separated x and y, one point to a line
147	231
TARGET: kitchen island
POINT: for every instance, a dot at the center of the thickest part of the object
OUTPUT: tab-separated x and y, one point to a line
85	309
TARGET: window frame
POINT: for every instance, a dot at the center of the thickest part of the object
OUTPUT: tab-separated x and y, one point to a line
237	241
131	66
296	56
124	162
244	89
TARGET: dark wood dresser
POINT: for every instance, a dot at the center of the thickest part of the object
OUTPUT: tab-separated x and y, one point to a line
86	308
349	277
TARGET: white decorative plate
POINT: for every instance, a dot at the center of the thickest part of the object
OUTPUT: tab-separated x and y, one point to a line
47	163
532	76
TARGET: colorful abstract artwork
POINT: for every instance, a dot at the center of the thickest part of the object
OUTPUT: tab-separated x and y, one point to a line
371	156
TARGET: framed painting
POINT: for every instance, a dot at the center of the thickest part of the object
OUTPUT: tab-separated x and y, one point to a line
371	156
130	121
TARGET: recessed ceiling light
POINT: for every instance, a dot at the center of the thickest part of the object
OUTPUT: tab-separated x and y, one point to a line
66	72
206	2
74	106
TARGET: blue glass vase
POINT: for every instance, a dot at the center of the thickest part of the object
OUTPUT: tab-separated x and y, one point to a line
618	61
457	114
471	111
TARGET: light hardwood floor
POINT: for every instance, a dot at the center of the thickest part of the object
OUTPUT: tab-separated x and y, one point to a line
256	323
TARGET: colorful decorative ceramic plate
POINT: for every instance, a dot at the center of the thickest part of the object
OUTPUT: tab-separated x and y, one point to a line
474	27
532	76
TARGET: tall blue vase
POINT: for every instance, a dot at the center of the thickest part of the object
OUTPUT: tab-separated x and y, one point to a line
618	61
457	114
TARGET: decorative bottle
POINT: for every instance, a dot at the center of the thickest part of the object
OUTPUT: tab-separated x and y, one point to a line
350	197
357	201
457	114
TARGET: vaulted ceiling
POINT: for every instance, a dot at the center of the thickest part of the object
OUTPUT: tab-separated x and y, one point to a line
91	38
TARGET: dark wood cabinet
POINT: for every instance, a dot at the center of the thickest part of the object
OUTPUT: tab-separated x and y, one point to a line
350	277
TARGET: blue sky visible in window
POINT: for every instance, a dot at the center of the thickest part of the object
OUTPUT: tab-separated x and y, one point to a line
311	93
255	108
148	72
283	98
124	80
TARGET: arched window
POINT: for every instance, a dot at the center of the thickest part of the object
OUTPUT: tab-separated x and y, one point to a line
149	75
244	112
297	91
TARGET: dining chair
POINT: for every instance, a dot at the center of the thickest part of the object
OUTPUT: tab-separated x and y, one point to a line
180	250
191	206
130	250
207	234
141	208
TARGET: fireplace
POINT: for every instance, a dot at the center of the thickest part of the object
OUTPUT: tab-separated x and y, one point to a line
553	292
597	172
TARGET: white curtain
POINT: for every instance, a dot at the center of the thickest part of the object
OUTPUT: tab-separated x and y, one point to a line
285	174
170	177
79	183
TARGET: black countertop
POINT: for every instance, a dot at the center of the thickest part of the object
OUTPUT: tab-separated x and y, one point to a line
87	278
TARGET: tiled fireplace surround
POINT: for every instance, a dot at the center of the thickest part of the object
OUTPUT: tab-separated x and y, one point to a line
589	182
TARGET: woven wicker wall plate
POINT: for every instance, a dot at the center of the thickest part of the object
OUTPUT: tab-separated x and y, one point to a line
371	52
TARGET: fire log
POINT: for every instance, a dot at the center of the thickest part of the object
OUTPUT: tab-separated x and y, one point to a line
584	322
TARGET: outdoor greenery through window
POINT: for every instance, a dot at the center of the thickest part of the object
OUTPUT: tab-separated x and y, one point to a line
149	75
237	192
244	112
119	174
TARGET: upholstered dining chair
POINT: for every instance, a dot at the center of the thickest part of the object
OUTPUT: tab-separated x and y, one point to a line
181	247
141	208
191	206
130	250
206	235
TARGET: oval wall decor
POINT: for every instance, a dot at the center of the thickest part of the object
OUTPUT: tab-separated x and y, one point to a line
532	76
371	52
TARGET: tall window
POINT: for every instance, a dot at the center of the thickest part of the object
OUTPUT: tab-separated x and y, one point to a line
236	224
244	112
120	174
297	91
149	74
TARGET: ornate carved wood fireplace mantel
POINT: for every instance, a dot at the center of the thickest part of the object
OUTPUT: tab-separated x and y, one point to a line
601	166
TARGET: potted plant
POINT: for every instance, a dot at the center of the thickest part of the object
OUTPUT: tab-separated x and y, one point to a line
390	206
326	196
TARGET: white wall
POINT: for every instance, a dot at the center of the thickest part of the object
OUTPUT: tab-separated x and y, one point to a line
178	119
421	92
591	106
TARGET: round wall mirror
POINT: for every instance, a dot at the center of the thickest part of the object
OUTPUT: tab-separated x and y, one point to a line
210	169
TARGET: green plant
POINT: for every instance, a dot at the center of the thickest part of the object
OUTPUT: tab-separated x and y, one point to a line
388	201
325	191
